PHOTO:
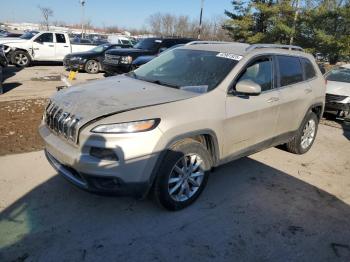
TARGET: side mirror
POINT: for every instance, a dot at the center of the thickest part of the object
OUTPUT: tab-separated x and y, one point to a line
38	40
248	87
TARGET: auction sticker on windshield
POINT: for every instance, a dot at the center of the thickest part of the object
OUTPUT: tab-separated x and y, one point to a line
230	56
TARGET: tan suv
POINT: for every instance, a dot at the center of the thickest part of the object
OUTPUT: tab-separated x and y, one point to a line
164	126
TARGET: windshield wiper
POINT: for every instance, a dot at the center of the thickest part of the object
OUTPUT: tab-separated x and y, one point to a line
162	83
132	74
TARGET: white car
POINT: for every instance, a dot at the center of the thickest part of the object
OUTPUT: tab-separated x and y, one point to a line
338	91
40	46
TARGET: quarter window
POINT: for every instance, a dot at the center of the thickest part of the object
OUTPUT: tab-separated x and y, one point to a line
260	71
308	68
290	70
60	38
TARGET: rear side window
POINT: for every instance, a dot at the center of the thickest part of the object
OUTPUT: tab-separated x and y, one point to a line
60	38
308	68
290	70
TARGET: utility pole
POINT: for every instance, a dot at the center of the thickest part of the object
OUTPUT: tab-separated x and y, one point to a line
82	3
200	20
295	22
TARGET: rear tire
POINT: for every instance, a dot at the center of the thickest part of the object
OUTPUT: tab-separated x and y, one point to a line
21	58
92	67
305	136
183	175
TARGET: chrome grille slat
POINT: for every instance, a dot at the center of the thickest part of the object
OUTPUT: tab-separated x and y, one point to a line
61	122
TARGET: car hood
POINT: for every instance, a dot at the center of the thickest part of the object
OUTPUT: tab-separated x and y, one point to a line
126	51
338	88
11	40
84	54
113	95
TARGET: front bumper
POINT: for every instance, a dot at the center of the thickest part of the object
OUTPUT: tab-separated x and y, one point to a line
113	68
99	184
74	64
130	175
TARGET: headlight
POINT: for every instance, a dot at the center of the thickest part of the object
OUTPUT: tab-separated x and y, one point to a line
75	58
129	127
126	60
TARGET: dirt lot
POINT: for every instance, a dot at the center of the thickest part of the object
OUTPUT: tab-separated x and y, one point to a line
271	206
39	81
22	104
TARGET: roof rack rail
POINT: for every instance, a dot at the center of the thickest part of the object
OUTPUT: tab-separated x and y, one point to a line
206	42
289	47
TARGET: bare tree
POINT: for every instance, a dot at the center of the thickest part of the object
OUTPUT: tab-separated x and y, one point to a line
155	23
46	12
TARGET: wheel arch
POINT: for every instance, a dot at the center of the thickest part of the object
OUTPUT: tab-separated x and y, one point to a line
205	136
20	49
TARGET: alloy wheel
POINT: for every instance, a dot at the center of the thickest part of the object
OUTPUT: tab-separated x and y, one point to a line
308	134
93	67
21	59
186	177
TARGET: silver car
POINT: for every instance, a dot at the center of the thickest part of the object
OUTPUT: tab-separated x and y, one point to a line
163	127
338	91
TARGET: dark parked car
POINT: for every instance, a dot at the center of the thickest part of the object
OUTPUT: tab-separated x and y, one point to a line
89	61
3	63
120	60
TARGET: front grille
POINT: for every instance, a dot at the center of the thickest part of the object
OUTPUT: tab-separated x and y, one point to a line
112	58
334	98
62	123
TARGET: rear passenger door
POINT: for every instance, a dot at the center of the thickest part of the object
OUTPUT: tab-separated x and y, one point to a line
296	92
251	120
62	46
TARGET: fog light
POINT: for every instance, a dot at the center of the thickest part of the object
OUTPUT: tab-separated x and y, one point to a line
103	153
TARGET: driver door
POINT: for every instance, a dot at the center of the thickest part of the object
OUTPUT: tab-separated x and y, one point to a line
44	47
251	120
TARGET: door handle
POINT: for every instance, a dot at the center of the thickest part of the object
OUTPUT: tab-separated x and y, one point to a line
51	45
308	90
65	46
273	99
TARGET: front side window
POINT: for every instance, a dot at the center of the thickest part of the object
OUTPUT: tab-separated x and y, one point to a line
182	68
290	70
45	38
308	68
60	38
340	74
260	72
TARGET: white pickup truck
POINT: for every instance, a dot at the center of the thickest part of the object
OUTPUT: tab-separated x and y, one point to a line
40	46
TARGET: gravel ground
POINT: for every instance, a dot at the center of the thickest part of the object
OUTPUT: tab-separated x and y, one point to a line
271	206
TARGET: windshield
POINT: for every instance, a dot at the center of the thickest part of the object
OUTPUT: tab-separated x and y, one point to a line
340	74
148	44
100	48
186	69
28	35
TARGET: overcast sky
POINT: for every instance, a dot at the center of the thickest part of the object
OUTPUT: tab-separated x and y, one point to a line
124	13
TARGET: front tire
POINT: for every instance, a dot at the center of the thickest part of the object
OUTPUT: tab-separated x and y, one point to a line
182	175
92	67
305	136
21	58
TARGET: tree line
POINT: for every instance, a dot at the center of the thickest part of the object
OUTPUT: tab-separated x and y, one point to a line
319	26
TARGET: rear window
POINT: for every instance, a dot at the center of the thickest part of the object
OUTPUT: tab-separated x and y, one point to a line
60	38
339	74
308	68
290	70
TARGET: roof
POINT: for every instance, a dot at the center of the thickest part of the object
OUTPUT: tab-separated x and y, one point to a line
242	48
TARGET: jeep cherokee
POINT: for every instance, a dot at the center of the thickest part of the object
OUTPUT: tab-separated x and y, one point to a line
162	127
